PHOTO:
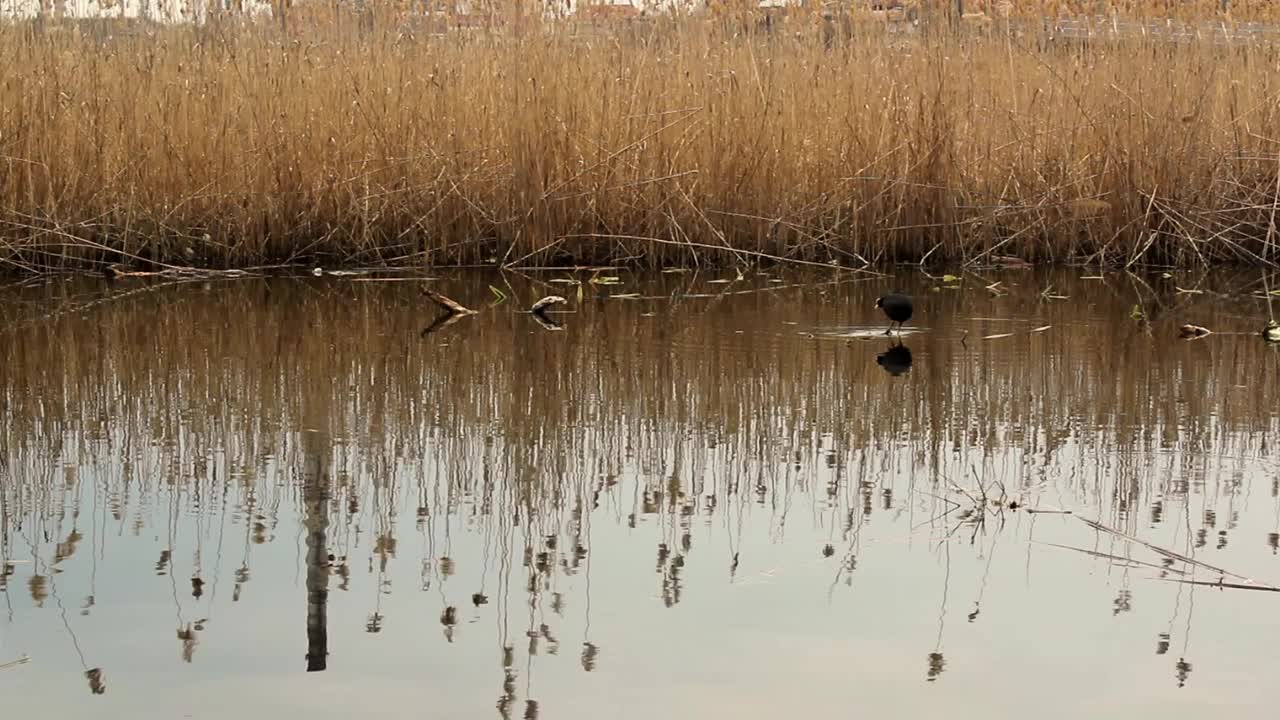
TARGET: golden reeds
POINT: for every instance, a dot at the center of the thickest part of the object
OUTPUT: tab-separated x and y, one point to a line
380	140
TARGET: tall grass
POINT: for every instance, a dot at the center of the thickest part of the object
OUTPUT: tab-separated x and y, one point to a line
344	139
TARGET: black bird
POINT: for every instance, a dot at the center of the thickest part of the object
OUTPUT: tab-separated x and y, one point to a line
896	360
897	306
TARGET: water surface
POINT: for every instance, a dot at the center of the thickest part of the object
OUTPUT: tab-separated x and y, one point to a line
252	497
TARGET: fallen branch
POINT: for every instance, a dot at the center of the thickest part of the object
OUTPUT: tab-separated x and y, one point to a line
22	660
540	307
1221	584
1115	558
539	310
1162	551
450	305
721	248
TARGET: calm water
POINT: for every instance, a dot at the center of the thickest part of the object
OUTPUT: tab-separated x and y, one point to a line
246	498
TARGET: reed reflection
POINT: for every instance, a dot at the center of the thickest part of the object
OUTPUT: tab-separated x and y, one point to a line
698	428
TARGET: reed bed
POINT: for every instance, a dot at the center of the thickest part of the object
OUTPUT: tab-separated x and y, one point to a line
374	140
1222	11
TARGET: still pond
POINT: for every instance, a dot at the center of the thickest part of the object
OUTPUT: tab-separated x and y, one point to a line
695	494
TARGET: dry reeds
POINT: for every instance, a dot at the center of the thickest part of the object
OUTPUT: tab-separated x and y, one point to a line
376	140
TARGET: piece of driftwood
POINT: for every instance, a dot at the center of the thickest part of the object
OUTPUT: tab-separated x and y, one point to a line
539	312
450	305
540	307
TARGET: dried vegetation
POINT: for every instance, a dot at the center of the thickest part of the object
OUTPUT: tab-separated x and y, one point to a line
853	138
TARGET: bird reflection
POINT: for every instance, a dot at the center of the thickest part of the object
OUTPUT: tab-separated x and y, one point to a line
590	655
937	664
97	684
449	619
896	360
1182	671
190	638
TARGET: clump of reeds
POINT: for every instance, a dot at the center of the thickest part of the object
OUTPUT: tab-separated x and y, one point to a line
383	138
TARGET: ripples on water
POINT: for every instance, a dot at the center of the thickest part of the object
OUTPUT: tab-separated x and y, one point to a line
252	497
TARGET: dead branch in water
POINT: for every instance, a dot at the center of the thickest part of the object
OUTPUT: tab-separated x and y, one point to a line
22	660
453	311
1115	558
450	305
540	307
1221	584
1173	555
539	312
